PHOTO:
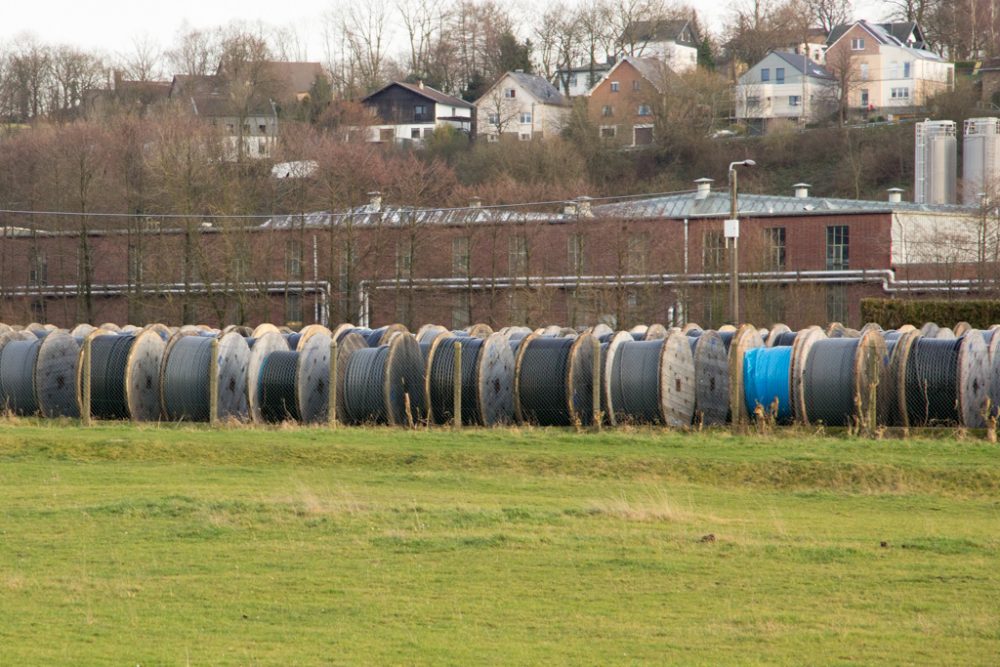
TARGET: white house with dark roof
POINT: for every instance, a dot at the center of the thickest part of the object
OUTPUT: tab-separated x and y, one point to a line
673	41
410	112
785	85
521	105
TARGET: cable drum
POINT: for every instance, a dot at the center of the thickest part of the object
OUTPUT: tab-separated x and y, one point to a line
767	381
125	376
428	332
947	381
348	344
782	339
184	377
553	380
711	379
775	334
737	344
841	379
384	335
265	344
655	332
277	387
892	386
480	330
487	380
17	375
652	382
384	385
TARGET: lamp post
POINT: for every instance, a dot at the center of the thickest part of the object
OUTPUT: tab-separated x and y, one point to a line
732	231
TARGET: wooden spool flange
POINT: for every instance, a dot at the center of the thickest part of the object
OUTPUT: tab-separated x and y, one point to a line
745	338
711	377
264	345
347	345
773	333
803	343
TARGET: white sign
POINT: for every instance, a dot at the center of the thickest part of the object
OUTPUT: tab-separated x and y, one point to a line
732	229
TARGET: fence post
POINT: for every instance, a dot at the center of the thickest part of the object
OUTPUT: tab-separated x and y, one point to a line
457	398
332	408
213	384
596	381
85	399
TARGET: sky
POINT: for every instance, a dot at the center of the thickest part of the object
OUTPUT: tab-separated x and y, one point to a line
113	26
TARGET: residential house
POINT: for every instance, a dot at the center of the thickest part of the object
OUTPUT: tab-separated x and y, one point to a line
621	104
412	111
886	68
673	41
521	105
814	45
788	86
577	81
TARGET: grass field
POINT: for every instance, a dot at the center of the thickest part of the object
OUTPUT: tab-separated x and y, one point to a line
180	545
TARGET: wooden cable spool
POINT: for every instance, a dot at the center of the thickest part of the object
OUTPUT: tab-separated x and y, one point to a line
266	343
745	338
711	378
347	345
655	332
773	333
803	343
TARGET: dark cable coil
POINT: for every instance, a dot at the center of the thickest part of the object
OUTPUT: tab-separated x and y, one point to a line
542	381
108	368
932	382
441	380
17	376
185	379
364	381
293	340
277	387
785	339
828	381
635	381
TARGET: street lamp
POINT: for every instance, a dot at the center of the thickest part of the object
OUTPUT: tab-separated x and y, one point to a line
732	231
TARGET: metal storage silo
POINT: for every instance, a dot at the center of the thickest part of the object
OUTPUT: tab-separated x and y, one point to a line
980	160
935	164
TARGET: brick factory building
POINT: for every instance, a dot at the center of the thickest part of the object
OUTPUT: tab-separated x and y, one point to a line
662	259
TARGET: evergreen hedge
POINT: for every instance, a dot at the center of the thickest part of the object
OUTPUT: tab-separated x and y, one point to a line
894	313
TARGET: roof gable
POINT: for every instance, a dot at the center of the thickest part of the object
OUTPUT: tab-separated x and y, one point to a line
423	91
535	86
653	70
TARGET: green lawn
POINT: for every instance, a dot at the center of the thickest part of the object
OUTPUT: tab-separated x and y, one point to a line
126	545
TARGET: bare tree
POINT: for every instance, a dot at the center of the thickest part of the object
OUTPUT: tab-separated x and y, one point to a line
828	14
144	62
28	78
196	53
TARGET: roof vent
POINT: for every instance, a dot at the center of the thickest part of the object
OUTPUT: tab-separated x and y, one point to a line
583	207
570	208
374	201
476	202
895	195
704	188
801	190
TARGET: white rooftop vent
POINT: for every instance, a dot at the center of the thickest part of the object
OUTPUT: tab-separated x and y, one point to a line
801	190
375	201
704	188
895	195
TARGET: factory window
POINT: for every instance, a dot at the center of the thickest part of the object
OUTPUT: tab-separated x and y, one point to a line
293	259
637	257
460	311
836	303
776	248
576	254
38	269
404	259
460	256
837	248
293	308
713	250
517	255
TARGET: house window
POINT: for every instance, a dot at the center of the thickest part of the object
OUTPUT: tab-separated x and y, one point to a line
713	251
293	259
906	70
864	71
607	111
637	253
492	138
864	97
572	79
753	101
900	93
460	256
460	311
858	44
524	136
420	112
779	74
525	118
636	85
836	303
614	86
576	254
893	70
510	93
517	255
644	110
765	74
609	131
428	132
794	100
837	248
386	134
415	133
776	248
493	118
262	129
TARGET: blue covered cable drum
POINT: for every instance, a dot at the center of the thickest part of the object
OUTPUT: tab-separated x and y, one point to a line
766	379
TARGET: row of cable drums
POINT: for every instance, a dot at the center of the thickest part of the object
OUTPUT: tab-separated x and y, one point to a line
552	377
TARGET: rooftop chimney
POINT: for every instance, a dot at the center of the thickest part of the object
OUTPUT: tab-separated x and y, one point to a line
801	190
895	195
374	201
570	208
583	207
420	84
704	188
476	202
